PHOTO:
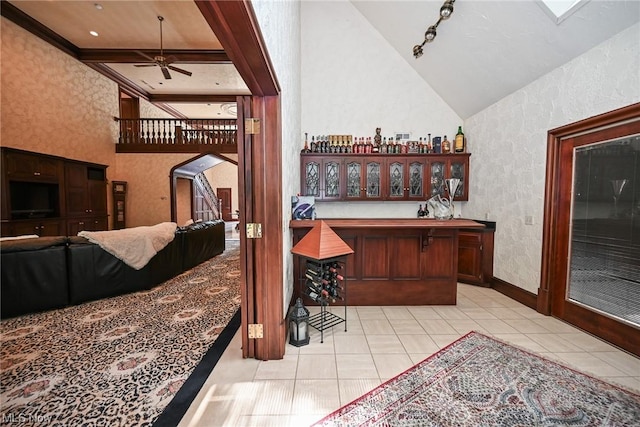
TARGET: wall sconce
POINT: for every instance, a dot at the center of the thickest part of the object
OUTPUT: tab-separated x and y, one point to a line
298	324
445	12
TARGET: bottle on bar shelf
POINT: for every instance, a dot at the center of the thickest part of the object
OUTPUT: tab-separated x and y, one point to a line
459	141
306	144
446	145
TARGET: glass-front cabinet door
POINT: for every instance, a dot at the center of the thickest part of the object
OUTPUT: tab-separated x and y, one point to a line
437	169
415	180
396	180
331	179
445	167
406	179
373	179
364	179
354	179
458	169
311	178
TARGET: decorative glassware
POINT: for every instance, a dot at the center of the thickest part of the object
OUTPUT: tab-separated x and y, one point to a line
443	208
618	186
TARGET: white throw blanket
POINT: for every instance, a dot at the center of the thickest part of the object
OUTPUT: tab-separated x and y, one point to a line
135	246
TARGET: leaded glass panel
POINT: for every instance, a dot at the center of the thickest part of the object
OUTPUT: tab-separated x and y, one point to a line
332	179
354	177
416	172
396	179
437	178
373	179
312	179
457	171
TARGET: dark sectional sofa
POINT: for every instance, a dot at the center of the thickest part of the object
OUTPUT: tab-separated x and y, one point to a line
53	272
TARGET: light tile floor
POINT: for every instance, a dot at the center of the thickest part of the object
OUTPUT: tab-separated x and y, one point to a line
381	342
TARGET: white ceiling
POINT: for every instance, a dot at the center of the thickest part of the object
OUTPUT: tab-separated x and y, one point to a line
488	49
485	51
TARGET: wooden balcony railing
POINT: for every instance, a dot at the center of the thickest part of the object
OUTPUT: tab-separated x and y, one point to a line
177	135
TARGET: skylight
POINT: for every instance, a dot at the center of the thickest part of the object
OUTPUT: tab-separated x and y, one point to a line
559	10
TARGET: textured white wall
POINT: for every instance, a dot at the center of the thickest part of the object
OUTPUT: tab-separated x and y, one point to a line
353	82
280	25
509	144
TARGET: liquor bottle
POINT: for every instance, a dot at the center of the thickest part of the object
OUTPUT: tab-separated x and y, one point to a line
306	144
404	149
420	212
459	141
314	146
446	145
429	145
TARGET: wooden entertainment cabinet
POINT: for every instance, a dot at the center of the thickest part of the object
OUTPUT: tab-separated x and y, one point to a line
51	196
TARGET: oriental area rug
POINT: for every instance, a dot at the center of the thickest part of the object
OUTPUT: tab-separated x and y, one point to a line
119	361
480	381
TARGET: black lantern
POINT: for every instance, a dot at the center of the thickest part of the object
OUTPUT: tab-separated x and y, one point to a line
298	324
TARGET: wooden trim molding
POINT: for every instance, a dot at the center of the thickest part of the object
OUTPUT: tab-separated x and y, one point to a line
521	295
260	167
23	20
235	25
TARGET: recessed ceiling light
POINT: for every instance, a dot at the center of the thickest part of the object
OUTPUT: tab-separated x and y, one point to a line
98	6
93	33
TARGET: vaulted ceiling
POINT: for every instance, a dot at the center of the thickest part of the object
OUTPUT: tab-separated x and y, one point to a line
485	51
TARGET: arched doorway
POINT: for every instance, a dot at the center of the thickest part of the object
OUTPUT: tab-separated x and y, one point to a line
191	179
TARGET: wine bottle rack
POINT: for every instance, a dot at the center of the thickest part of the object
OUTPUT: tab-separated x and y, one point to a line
324	283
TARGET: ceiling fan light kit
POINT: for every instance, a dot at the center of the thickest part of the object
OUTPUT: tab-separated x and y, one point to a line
161	61
445	13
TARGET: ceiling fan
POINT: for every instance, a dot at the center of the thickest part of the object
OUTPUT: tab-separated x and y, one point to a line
161	61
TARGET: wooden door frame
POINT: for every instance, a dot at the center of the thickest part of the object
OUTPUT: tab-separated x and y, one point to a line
556	232
259	175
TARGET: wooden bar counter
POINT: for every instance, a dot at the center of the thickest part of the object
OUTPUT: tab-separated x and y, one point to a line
395	261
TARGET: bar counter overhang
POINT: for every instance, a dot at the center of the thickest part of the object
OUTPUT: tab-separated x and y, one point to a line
400	261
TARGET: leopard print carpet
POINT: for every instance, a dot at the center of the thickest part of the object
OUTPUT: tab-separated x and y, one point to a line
117	361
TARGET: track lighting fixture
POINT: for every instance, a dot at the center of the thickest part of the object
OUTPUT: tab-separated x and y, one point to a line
445	13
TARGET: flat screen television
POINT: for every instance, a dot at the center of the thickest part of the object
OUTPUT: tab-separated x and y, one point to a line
34	200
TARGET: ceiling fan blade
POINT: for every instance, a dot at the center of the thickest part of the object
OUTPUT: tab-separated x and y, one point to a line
145	65
144	55
165	72
180	70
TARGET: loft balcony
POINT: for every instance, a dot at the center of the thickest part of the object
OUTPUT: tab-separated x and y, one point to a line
177	136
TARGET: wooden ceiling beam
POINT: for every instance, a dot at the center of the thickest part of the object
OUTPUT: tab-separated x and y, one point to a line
191	99
129	56
236	27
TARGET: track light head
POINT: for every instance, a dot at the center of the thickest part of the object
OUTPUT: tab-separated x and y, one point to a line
417	51
430	34
446	10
